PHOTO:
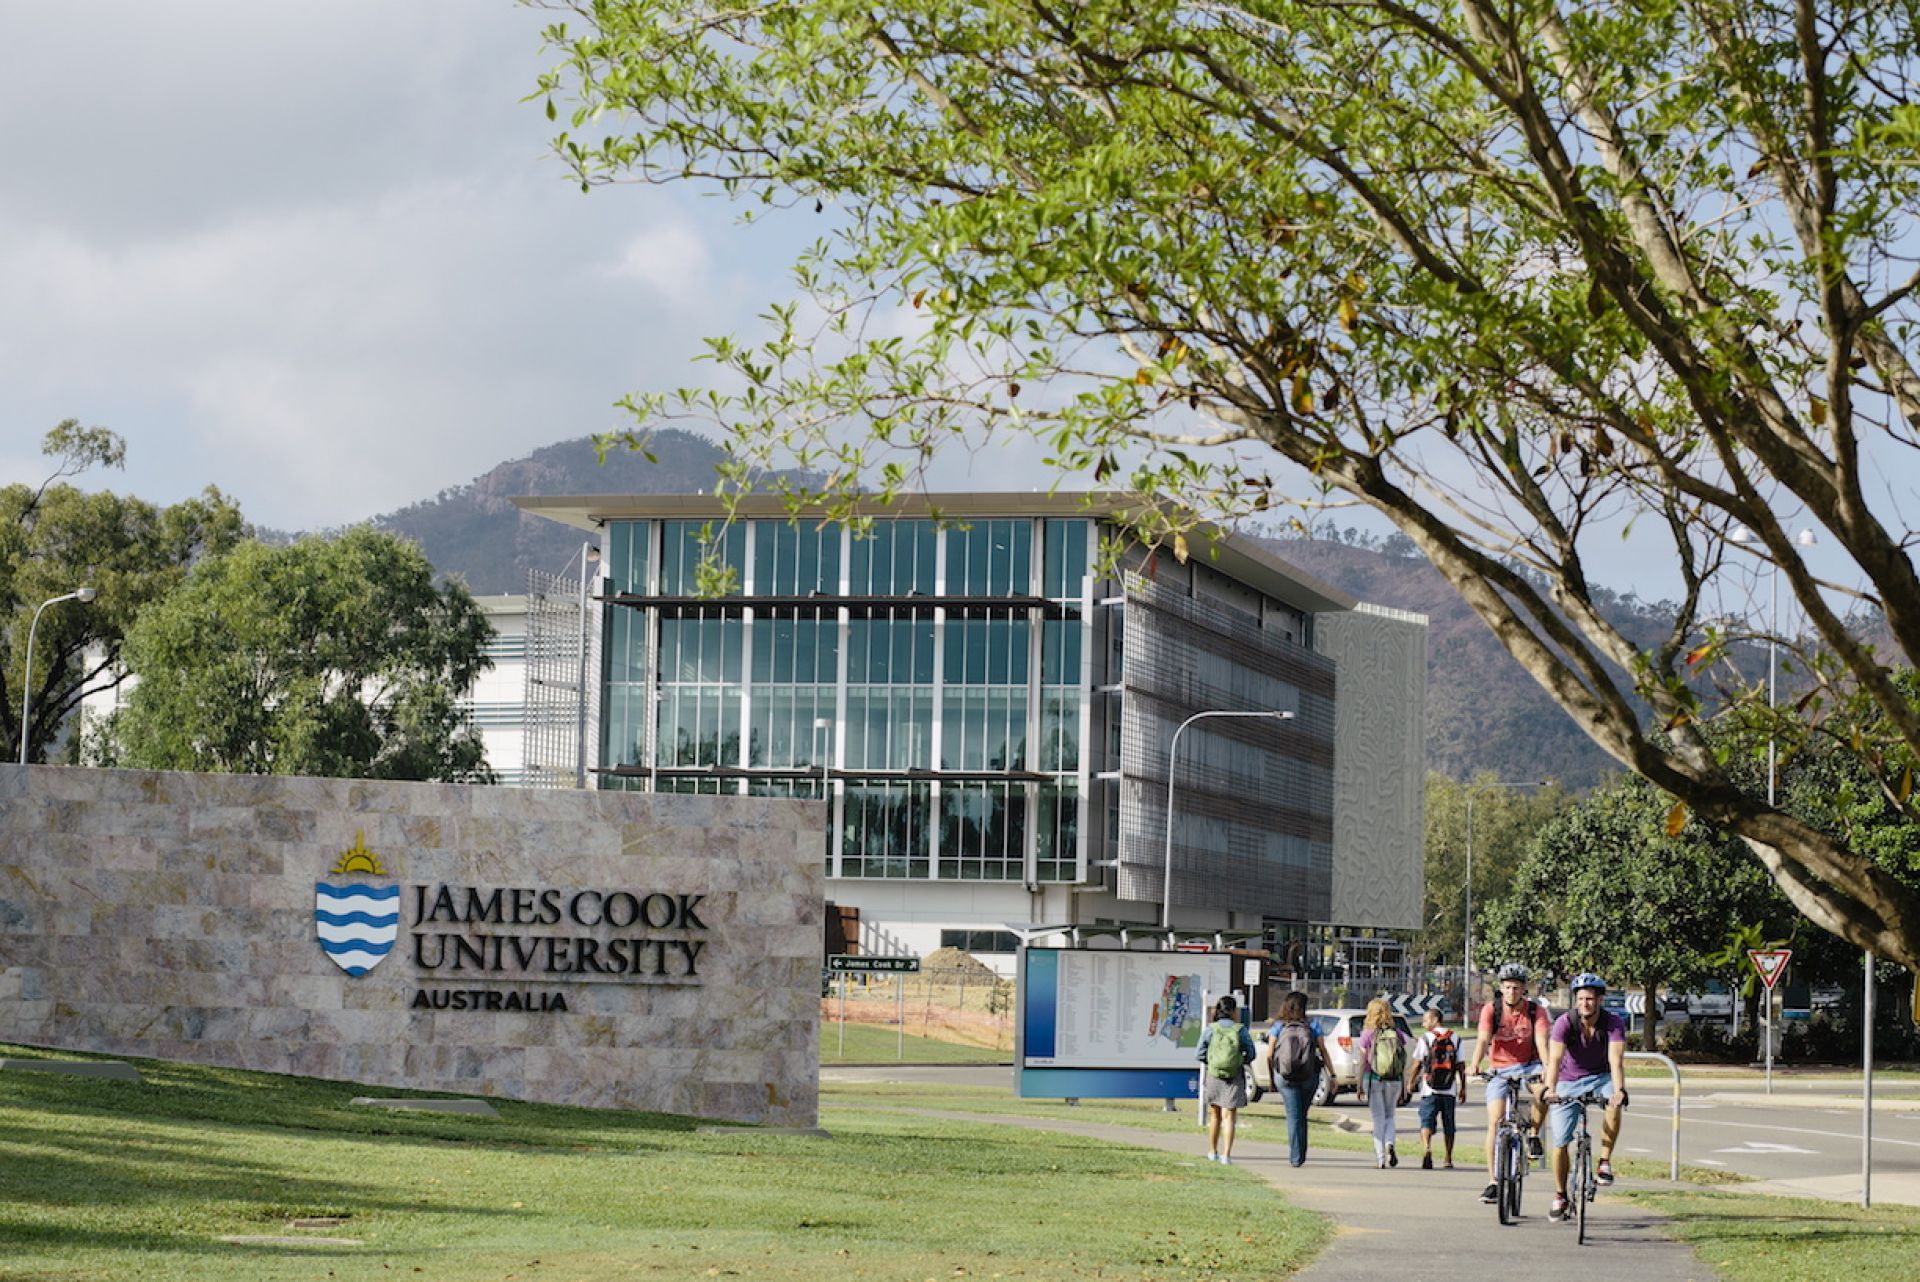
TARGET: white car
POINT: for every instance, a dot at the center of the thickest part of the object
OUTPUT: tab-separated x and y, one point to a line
1341	1029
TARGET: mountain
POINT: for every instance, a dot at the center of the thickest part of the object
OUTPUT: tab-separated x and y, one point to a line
1484	713
474	533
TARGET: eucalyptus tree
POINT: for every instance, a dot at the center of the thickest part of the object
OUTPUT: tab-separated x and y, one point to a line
56	537
1512	274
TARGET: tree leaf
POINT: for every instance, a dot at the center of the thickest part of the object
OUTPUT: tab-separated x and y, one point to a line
1677	819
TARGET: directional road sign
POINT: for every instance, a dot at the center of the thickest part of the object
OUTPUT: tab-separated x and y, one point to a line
1771	963
873	965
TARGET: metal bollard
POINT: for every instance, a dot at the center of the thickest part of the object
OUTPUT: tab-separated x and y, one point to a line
1673	1172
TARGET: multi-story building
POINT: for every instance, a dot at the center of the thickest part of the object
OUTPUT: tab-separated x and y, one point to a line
984	689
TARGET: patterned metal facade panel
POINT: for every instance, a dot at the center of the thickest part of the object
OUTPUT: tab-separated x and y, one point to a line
1253	827
1380	764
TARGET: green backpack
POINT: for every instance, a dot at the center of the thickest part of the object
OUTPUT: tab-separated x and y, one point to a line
1224	1057
1389	1058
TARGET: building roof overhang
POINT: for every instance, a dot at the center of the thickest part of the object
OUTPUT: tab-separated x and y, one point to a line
1235	555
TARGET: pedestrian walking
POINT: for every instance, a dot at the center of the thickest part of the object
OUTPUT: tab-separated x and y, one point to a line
1383	1068
1298	1058
1438	1085
1226	1048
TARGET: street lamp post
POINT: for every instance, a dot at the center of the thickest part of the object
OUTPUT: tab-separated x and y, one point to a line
1466	943
589	558
1173	750
1805	539
84	596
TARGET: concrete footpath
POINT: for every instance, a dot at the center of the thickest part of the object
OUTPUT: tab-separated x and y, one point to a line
1413	1223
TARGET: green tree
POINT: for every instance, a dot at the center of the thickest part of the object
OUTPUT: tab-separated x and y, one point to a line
1610	886
329	656
1505	822
54	538
1510	275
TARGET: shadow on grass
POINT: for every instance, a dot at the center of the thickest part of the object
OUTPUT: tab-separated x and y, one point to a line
65	1171
56	1238
231	1097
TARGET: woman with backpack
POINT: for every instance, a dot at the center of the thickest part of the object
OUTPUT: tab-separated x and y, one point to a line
1226	1049
1298	1058
1383	1070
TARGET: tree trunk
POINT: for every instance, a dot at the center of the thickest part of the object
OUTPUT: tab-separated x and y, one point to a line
1650	1022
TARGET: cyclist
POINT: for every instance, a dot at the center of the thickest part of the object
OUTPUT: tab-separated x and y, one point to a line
1586	1060
1513	1039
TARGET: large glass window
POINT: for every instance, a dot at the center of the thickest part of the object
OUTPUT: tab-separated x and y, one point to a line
990	558
623	723
795	560
1064	559
897	559
1059	730
684	543
886	829
1058	846
700	685
626	564
983	831
984	707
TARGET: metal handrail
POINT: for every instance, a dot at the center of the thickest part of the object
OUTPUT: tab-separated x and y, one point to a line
1673	1172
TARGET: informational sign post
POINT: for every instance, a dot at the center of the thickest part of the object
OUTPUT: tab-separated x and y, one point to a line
1771	963
1113	1024
845	964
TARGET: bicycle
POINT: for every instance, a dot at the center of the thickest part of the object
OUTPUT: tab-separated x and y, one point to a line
1582	1184
1510	1160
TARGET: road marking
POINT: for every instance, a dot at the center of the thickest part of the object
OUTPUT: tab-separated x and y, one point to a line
1707	1161
1752	1147
1801	1130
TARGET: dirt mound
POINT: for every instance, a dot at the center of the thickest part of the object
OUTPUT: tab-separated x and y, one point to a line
955	965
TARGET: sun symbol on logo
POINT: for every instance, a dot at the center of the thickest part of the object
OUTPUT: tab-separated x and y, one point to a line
358	921
357	858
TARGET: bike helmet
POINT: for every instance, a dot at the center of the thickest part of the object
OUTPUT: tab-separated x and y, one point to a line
1587	979
1512	970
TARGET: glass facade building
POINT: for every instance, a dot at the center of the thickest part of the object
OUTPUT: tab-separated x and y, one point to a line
926	680
984	691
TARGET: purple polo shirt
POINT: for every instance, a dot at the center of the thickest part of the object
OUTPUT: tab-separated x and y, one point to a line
1585	1058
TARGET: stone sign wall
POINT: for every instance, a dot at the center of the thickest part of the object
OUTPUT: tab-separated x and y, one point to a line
600	948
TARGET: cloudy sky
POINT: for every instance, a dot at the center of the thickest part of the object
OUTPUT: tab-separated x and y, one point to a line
317	254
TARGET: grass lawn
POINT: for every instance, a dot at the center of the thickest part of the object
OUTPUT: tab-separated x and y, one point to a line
1791	1239
866	1044
105	1180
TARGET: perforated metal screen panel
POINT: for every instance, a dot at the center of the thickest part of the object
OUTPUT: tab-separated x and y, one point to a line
1253	799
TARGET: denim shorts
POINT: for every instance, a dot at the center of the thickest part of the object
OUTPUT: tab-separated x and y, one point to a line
1560	1119
1440	1107
1506	1081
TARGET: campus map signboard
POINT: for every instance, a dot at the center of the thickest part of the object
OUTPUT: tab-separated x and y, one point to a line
1109	1024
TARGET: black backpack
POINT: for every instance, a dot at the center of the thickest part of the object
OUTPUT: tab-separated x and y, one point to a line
1443	1061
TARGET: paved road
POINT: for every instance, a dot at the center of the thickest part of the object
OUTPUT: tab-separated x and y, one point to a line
1806	1139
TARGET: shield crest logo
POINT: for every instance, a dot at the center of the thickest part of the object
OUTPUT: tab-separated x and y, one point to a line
357	921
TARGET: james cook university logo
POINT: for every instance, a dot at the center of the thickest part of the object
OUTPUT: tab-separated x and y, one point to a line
358	921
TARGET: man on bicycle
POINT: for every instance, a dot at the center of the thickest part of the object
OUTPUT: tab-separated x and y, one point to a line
1586	1062
1513	1038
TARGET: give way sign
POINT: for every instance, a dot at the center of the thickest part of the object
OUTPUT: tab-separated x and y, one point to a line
1771	963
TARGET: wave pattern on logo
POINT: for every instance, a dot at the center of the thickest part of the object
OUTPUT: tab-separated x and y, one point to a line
357	924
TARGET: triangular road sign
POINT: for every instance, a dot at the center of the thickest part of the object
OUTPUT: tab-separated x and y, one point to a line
1771	963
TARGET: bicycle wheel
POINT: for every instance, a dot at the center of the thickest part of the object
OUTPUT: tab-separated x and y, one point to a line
1503	1177
1577	1187
1517	1163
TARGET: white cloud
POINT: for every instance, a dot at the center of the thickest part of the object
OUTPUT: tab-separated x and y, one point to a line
671	259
